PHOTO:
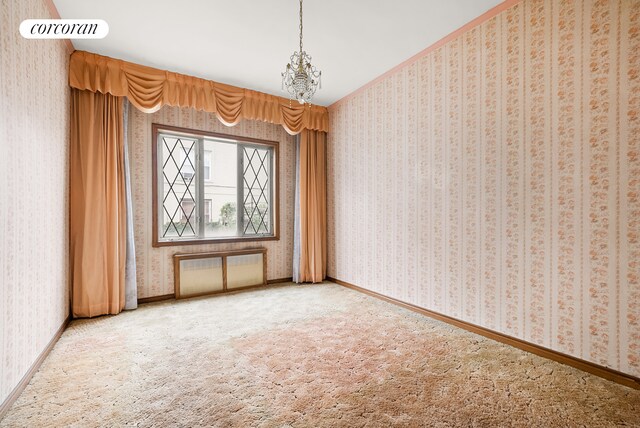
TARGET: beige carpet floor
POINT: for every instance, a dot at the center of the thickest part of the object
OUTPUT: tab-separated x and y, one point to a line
303	356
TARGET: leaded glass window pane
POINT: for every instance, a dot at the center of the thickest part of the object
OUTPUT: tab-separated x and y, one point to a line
179	184
257	191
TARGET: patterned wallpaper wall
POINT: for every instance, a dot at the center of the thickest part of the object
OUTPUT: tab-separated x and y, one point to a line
155	265
34	248
496	179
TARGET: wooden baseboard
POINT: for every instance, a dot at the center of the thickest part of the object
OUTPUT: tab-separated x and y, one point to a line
279	280
587	366
156	298
13	395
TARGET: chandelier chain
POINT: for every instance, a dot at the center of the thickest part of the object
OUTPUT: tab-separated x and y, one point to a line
300	26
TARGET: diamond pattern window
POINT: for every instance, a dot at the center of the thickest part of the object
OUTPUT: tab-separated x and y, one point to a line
213	187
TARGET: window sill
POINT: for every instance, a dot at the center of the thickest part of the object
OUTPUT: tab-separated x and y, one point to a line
213	241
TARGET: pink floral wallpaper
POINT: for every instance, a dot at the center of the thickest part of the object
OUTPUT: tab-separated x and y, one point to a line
496	179
34	248
155	265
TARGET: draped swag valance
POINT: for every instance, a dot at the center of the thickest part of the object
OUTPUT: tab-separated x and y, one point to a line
149	89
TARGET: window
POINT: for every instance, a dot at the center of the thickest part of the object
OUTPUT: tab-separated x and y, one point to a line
187	161
213	188
187	208
207	165
207	210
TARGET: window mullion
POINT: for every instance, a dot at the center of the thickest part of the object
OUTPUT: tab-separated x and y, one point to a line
270	207
200	188
160	184
240	192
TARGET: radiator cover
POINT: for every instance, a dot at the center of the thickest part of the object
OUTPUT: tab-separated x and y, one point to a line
198	274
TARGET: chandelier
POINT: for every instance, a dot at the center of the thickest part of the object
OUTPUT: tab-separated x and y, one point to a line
301	79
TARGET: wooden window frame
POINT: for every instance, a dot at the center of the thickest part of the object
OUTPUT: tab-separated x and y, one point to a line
156	129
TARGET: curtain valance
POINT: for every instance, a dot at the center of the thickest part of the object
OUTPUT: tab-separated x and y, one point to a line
149	89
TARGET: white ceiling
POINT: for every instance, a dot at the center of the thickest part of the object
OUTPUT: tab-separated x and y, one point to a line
247	43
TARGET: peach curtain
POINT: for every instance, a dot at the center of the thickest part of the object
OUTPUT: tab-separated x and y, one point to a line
149	89
97	204
313	206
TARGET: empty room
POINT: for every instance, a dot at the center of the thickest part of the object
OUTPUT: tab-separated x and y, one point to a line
320	213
